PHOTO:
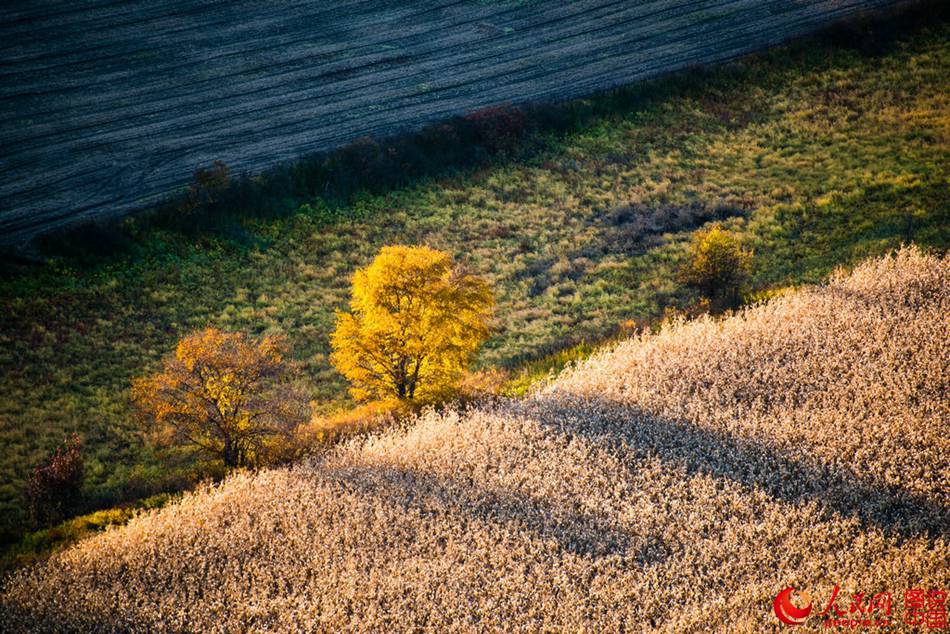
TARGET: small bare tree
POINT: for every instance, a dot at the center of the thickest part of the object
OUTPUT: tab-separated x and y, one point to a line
54	487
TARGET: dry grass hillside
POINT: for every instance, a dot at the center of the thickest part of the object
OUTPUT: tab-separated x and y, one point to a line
675	483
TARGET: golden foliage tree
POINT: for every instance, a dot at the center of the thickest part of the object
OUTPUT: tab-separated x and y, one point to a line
718	265
224	393
414	323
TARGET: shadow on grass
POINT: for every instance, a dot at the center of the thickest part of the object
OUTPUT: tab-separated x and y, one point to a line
753	464
432	495
750	463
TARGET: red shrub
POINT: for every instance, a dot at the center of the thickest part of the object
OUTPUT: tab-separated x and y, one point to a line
498	127
54	487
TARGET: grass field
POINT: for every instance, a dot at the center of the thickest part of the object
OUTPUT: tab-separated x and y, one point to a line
675	483
817	154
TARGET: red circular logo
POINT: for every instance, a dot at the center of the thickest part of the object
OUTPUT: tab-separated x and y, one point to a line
788	613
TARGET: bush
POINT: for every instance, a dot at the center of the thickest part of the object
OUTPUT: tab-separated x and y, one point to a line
363	164
86	242
207	185
497	128
718	266
54	487
363	418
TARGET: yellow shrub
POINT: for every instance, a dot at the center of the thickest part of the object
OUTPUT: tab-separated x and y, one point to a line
718	265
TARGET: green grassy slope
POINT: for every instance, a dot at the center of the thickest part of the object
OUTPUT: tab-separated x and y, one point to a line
819	155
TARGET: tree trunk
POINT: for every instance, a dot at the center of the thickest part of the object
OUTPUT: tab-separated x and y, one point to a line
230	454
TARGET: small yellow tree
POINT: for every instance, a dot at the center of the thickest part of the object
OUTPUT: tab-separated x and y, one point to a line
718	265
414	323
224	393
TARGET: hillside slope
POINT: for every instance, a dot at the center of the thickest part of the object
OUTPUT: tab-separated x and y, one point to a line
105	108
675	483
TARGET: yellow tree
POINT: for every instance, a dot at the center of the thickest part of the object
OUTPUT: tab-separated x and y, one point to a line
414	323
224	393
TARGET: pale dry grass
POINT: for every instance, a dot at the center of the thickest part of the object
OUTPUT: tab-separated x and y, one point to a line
675	483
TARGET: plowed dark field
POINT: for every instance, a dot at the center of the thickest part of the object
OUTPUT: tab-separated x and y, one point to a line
106	106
